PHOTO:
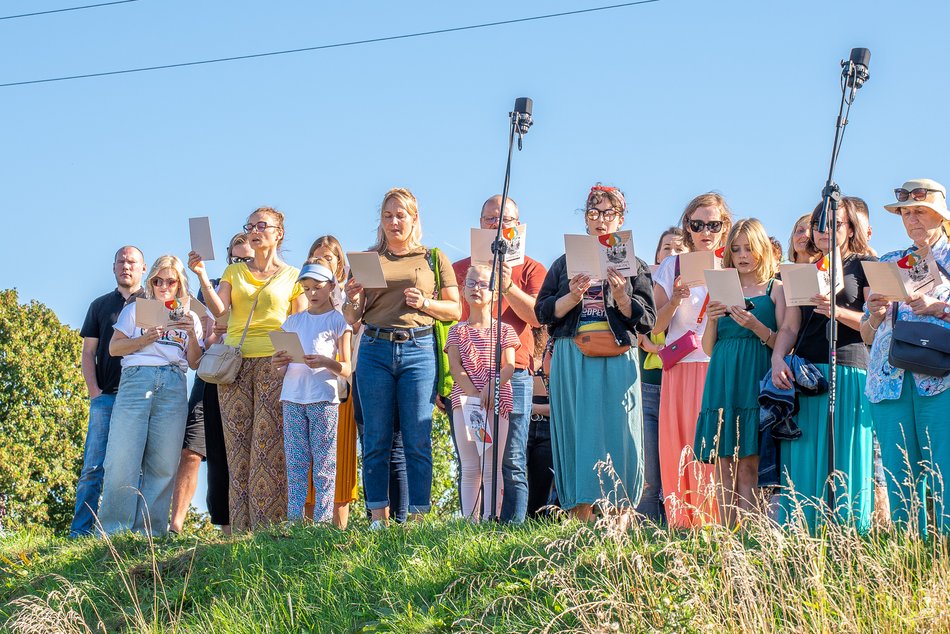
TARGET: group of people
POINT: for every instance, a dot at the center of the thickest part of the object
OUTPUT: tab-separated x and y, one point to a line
635	392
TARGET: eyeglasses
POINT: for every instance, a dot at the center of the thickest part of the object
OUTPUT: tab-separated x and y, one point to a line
260	226
919	193
493	220
697	226
162	282
479	284
235	259
816	226
607	214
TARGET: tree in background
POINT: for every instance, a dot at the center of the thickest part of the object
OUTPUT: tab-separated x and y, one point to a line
43	415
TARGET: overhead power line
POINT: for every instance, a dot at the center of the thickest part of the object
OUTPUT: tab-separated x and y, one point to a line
87	6
322	47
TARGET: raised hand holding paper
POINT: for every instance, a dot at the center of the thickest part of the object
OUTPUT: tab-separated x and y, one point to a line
694	264
201	242
515	237
366	269
593	255
288	342
724	286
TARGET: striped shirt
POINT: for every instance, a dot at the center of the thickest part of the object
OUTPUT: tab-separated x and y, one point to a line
476	348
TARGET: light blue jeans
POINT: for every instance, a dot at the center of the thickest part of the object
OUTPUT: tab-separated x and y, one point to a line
145	440
89	487
514	464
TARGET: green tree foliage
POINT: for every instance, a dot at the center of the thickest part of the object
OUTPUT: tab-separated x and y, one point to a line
43	414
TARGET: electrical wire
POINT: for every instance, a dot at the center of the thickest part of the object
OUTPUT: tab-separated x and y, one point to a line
322	47
87	6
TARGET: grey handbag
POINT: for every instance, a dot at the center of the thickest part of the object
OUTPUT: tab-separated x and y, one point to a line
919	347
221	363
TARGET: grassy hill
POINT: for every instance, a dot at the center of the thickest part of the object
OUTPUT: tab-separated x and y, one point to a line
449	576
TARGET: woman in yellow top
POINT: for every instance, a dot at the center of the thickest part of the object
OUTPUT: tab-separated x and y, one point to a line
250	408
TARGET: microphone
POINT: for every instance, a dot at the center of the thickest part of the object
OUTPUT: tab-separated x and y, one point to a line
521	117
856	68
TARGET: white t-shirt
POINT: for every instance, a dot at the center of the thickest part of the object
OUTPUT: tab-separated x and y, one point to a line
319	334
171	349
685	316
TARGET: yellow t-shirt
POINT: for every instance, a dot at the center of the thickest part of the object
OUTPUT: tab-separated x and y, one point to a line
269	314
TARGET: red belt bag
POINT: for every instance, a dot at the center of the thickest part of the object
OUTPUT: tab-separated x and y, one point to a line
599	343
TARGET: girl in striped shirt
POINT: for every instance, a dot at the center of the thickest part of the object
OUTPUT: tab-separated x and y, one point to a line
470	346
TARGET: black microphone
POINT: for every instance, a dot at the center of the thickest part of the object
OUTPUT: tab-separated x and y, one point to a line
521	117
859	61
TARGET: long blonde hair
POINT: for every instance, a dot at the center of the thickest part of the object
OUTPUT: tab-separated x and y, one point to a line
709	199
759	244
411	206
167	262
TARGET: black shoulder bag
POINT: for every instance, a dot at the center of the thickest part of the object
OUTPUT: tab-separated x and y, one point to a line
919	347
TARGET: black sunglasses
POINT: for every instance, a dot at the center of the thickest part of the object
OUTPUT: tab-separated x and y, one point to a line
697	226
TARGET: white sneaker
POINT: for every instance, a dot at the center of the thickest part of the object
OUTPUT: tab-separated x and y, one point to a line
377	525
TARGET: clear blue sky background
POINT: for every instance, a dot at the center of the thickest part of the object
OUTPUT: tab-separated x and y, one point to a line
665	100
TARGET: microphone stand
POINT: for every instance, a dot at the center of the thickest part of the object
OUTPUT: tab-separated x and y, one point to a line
499	249
828	221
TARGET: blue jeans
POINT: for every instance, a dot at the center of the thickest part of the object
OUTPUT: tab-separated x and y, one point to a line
651	500
398	486
145	440
514	464
89	487
391	378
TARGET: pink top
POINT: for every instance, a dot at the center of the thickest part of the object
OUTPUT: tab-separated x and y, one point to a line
476	347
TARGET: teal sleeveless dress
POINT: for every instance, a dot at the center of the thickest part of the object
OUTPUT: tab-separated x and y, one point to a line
728	423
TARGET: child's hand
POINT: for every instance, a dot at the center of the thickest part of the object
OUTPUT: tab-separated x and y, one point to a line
487	398
316	361
281	359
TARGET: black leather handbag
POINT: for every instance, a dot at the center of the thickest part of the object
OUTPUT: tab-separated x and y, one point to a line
919	347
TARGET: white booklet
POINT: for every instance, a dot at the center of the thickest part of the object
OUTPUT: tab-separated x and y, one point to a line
694	264
366	269
724	287
801	282
288	342
592	255
201	242
920	275
514	237
477	422
151	313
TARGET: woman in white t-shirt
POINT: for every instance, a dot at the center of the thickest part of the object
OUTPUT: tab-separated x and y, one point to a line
151	406
310	397
687	484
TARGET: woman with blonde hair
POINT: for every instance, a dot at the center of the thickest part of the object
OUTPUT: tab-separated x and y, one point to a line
801	249
738	340
680	311
396	370
148	420
259	293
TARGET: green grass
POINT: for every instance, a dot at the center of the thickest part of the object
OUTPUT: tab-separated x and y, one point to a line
448	576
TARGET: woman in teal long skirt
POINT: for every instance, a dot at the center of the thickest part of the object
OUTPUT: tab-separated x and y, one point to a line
808	485
596	412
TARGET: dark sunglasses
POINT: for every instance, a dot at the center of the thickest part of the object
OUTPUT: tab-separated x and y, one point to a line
235	259
697	226
919	193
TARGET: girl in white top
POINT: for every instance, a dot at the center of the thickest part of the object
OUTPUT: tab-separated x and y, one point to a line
310	397
148	420
706	222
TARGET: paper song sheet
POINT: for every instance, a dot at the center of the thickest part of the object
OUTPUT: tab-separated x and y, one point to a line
366	269
514	237
201	242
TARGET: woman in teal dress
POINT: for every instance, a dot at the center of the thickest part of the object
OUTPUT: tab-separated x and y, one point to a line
846	494
727	431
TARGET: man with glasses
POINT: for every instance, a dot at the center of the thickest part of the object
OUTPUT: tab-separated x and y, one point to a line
519	287
101	372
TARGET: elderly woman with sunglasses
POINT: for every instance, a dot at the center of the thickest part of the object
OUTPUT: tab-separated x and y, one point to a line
687	483
148	419
250	408
803	463
910	409
596	409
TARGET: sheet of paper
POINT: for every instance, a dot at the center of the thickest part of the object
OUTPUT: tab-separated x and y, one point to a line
918	274
477	423
694	264
616	250
724	286
514	237
885	279
288	342
201	242
800	284
366	269
200	309
583	256
150	313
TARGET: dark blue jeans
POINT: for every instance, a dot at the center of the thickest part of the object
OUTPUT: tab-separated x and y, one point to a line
397	378
89	487
514	468
651	500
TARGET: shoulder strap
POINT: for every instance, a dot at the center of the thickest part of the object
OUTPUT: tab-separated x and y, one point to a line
434	264
894	306
676	267
768	289
257	297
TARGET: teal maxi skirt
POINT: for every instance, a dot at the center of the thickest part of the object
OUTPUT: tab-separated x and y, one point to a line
804	462
596	413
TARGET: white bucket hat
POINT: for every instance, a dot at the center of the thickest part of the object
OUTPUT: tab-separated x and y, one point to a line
934	197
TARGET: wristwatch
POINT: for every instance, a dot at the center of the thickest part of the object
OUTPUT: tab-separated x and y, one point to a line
425	303
946	311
